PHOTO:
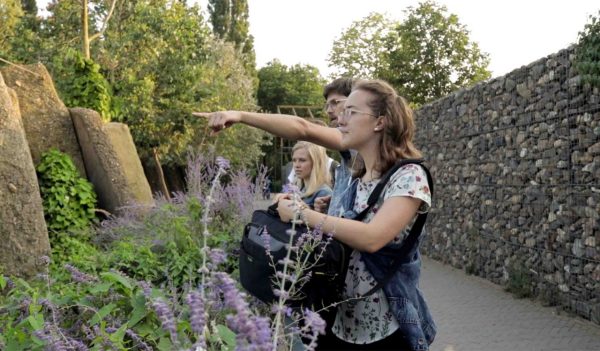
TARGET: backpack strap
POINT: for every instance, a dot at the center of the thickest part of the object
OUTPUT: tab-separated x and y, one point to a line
385	179
415	230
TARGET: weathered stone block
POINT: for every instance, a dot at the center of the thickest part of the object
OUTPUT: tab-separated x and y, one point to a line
23	232
112	161
45	117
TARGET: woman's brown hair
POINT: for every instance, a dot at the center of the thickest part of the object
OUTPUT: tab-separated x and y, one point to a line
399	125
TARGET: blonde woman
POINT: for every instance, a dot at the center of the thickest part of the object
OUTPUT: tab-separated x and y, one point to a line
312	174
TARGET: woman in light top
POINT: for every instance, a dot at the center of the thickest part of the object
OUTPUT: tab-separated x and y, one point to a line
379	125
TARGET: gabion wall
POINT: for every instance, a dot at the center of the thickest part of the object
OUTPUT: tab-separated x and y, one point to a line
517	168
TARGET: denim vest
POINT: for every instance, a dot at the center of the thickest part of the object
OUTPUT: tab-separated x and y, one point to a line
404	297
342	180
324	190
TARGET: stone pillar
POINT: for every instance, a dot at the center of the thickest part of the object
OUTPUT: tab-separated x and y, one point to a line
45	117
23	232
112	162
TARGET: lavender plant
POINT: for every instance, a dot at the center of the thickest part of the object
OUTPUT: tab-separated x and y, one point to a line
181	295
300	258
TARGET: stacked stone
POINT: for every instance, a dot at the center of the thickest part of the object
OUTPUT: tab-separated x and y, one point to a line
517	163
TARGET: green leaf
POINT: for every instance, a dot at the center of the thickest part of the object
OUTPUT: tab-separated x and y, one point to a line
116	278
2	282
139	309
165	344
100	288
36	321
118	336
103	312
226	335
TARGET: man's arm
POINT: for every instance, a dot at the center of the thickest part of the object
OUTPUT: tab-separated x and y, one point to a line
285	126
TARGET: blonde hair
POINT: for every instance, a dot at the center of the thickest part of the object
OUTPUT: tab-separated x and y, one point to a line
399	124
319	175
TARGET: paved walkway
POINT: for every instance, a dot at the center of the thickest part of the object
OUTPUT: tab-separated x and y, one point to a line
473	314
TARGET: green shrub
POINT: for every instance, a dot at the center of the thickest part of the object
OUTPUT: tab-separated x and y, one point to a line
69	200
588	52
85	86
519	280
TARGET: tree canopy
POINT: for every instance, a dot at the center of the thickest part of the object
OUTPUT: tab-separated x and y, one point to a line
430	55
360	50
587	59
283	85
160	61
230	22
425	57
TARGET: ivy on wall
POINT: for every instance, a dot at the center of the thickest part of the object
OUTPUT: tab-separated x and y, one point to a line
68	199
85	86
588	52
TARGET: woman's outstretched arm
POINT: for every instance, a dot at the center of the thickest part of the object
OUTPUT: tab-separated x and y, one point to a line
285	126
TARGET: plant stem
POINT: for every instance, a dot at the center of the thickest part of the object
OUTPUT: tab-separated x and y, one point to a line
282	299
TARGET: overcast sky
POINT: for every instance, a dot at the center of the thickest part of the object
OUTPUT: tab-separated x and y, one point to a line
513	32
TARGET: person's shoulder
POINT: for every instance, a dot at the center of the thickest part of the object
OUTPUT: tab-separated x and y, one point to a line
409	173
324	190
410	168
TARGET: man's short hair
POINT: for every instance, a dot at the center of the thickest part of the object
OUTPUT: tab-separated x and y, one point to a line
342	86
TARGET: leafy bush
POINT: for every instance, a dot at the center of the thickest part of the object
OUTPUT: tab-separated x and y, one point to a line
85	86
159	281
588	52
69	200
108	311
519	280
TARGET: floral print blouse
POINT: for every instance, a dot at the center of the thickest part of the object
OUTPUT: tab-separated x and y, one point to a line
370	319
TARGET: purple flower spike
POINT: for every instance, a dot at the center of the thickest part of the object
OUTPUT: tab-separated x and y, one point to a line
166	317
197	316
252	332
222	162
217	256
78	276
290	189
138	342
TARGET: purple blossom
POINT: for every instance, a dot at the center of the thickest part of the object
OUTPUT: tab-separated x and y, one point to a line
314	320
137	341
146	289
45	260
89	334
290	189
252	332
166	317
313	326
285	310
217	256
9	283
239	194
222	162
197	316
78	276
56	340
281	294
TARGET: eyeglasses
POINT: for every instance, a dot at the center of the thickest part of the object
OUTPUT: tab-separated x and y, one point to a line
333	103
350	112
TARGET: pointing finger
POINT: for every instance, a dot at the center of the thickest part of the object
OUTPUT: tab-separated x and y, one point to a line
201	114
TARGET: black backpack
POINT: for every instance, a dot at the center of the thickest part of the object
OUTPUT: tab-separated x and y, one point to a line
326	282
257	273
